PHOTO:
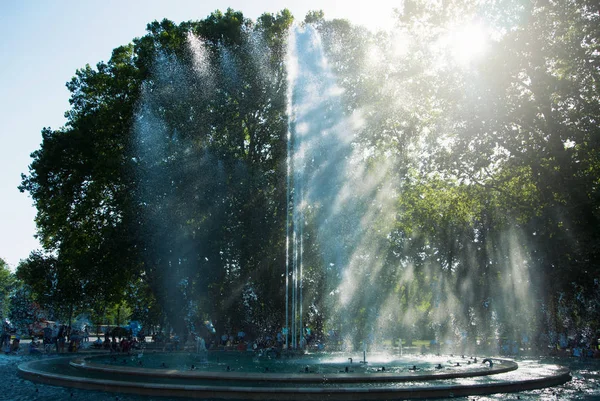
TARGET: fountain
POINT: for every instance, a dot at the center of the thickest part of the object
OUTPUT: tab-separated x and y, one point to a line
201	350
321	161
314	377
319	146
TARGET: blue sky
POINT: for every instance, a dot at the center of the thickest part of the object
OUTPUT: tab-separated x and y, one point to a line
43	43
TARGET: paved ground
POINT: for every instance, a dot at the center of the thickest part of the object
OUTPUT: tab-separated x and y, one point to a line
13	388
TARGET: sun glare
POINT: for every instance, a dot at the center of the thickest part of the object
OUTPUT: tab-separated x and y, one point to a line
467	43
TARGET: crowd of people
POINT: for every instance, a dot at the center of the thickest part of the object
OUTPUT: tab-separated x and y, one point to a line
58	337
265	342
577	346
118	342
5	336
61	338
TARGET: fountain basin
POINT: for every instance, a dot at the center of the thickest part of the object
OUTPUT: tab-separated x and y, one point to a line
504	377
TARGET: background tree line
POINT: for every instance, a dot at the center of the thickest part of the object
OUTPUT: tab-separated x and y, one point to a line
166	189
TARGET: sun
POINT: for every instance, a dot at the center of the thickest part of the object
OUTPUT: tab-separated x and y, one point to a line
467	43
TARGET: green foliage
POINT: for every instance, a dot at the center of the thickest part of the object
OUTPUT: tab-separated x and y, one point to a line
227	28
165	191
118	315
314	17
57	286
7	282
517	126
24	311
275	27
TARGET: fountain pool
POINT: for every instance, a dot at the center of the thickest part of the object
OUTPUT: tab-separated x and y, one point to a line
314	376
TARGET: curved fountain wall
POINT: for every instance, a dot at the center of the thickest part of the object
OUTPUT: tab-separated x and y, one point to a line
478	379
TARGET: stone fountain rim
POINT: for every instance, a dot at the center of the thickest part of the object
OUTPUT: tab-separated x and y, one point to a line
27	371
500	366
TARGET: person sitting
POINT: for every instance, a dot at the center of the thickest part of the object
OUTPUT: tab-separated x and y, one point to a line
59	340
97	344
34	347
15	347
124	346
47	335
75	339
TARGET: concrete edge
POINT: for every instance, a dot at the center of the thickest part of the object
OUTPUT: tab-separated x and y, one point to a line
26	371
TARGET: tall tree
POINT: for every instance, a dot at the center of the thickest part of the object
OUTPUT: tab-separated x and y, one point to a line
7	280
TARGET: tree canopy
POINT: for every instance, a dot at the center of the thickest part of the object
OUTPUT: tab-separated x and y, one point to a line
477	174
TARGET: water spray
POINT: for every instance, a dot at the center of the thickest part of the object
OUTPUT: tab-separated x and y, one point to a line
364	353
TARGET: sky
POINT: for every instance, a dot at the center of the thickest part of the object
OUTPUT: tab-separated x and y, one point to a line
43	43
